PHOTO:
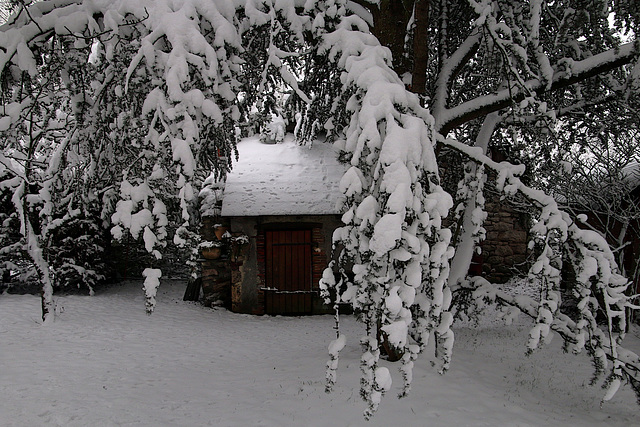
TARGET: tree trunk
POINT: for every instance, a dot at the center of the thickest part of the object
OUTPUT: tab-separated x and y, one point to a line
34	249
46	291
420	46
390	20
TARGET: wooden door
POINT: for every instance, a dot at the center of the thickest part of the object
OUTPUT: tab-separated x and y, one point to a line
288	272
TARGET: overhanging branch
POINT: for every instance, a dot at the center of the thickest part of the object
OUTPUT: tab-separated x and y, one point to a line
581	70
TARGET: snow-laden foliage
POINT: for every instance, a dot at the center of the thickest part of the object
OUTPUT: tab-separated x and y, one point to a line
128	105
599	287
132	102
393	236
598	186
151	282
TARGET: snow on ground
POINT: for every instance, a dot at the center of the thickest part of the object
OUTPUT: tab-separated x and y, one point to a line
104	362
283	179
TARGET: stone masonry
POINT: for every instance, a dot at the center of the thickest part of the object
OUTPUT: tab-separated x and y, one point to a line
504	251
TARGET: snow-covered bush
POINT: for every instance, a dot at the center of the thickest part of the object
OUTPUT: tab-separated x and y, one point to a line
211	197
77	255
274	131
151	283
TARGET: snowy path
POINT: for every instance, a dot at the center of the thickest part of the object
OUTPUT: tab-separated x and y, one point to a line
106	363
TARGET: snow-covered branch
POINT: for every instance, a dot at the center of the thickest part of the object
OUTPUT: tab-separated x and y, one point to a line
565	74
393	214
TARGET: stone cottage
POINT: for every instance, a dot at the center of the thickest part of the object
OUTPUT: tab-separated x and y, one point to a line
276	219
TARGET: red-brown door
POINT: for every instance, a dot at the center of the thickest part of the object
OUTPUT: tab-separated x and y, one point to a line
288	272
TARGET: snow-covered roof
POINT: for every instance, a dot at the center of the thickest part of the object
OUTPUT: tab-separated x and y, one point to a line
283	179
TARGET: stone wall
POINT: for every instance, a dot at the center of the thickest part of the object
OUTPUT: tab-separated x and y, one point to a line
215	273
504	252
216	282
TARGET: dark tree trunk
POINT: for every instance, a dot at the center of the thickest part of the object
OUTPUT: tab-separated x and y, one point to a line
420	47
390	19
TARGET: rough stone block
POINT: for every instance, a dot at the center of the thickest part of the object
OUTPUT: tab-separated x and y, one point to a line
494	260
221	286
209	272
503	226
207	287
488	248
513	236
491	235
504	250
224	275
